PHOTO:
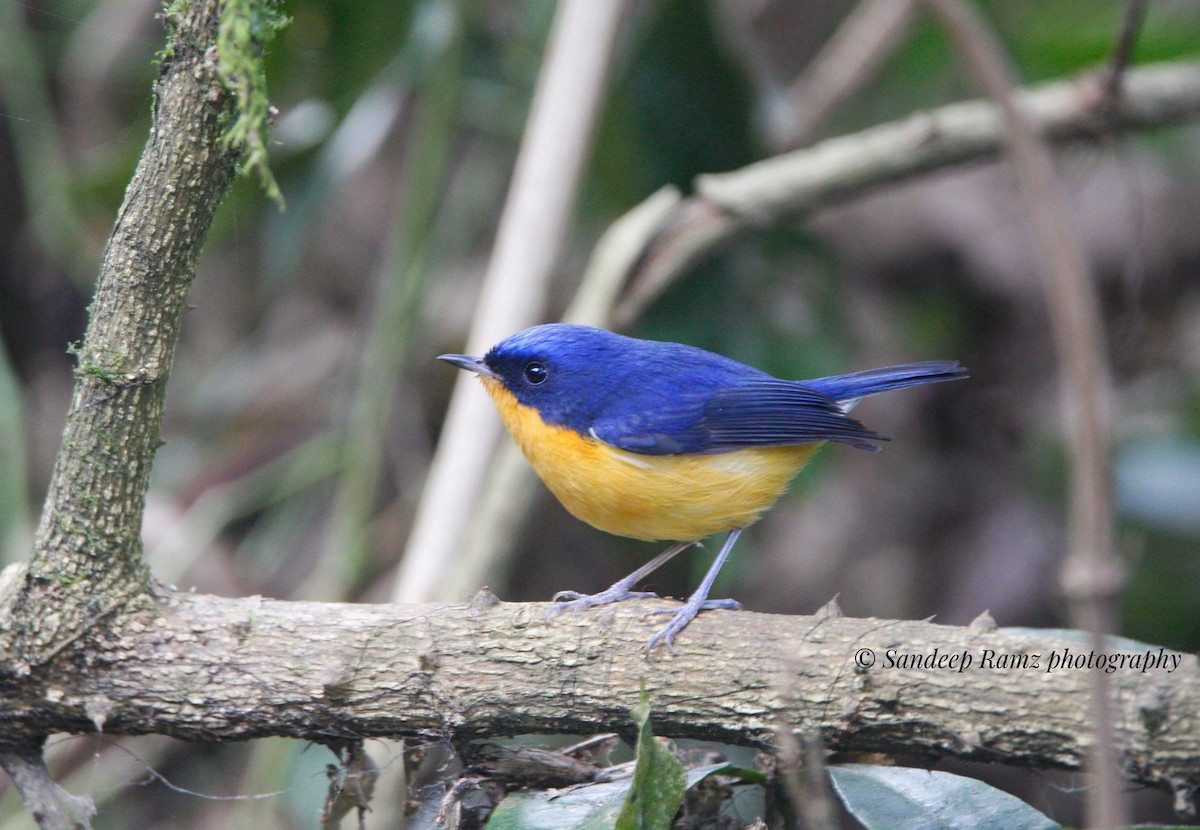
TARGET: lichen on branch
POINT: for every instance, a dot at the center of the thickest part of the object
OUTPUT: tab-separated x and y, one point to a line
246	27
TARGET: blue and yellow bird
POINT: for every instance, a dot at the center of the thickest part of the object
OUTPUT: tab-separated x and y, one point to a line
661	441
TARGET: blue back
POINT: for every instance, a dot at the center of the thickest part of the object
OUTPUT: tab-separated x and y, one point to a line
666	398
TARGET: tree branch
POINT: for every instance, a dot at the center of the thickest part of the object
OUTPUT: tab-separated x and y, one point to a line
213	669
868	36
87	560
727	205
52	807
1131	27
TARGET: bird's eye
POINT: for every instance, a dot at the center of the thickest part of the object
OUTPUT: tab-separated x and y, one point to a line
536	372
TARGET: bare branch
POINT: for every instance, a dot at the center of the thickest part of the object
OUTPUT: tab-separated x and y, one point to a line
52	807
790	186
1131	27
214	669
87	559
865	39
1092	573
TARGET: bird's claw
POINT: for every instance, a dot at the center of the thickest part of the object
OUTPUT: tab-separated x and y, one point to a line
707	605
576	601
682	616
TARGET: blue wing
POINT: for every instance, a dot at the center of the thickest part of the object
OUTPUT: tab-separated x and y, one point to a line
753	410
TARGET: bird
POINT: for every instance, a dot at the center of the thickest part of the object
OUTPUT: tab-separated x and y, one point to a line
661	441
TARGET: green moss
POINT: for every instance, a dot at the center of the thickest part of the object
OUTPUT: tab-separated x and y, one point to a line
104	367
97	371
172	15
245	29
105	439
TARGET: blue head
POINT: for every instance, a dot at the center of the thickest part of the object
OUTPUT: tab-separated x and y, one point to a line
560	370
571	373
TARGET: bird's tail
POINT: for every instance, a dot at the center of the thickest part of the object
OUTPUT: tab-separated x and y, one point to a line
847	389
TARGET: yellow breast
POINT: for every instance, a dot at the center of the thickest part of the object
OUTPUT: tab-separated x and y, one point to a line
650	497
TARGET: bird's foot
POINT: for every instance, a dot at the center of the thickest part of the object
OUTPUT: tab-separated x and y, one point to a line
576	601
683	616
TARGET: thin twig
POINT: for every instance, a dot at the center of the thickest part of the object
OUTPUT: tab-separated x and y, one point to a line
1131	27
351	784
864	40
1091	573
51	806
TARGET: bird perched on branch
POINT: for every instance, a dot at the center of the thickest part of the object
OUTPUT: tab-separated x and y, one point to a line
661	441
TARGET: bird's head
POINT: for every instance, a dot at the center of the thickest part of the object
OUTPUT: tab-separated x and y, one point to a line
560	369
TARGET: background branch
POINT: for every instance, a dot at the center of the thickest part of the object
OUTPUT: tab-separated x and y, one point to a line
1091	572
1131	27
865	39
52	807
789	186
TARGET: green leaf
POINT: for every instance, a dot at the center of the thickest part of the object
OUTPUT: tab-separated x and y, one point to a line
585	807
658	780
887	797
647	800
588	807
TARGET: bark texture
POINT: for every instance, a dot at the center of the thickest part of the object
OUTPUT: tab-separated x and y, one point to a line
87	560
212	669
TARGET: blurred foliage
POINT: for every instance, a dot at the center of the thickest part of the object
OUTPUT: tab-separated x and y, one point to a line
272	355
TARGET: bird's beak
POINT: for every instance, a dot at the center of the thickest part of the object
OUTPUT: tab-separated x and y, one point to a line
471	364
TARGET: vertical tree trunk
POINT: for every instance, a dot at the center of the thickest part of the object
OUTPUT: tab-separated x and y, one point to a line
87	558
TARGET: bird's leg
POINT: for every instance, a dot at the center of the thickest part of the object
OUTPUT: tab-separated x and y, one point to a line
619	590
697	602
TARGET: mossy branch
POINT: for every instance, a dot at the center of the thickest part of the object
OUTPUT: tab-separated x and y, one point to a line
87	559
245	29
